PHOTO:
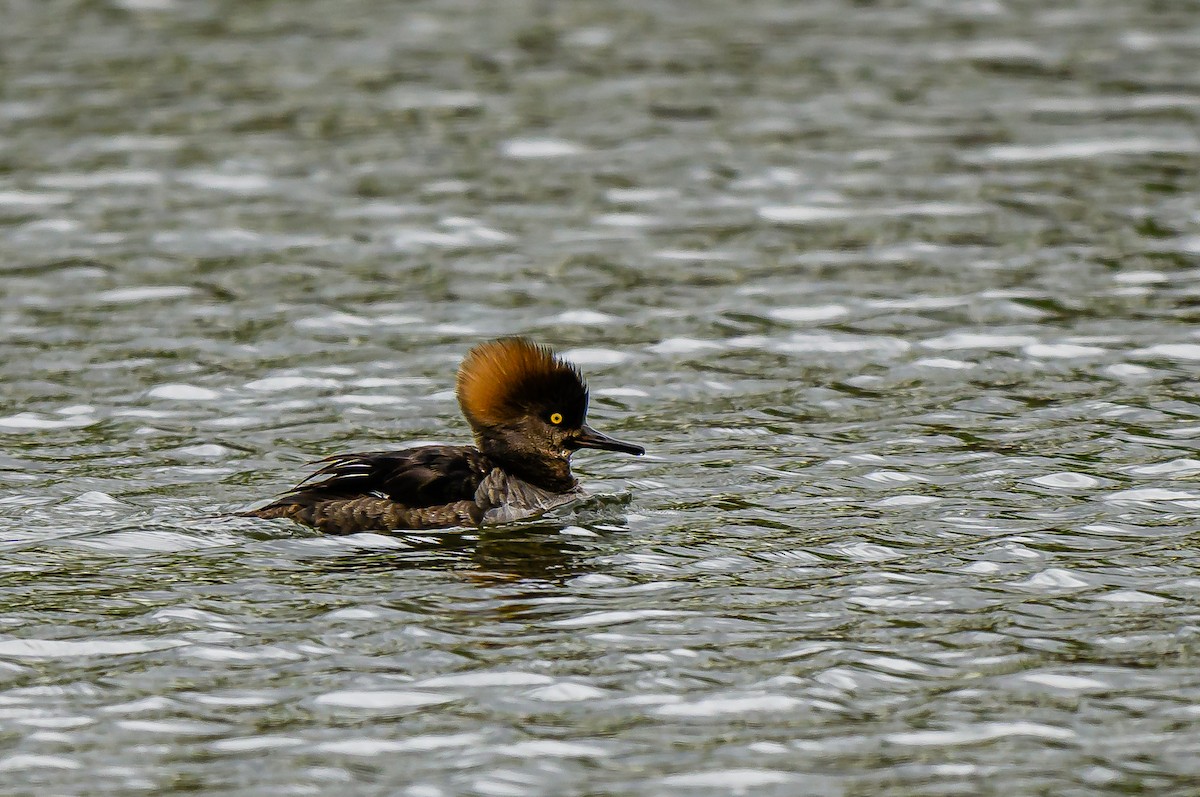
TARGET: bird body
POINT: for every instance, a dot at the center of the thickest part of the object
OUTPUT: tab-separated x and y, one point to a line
527	409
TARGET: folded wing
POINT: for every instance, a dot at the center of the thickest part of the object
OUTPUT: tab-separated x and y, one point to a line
428	487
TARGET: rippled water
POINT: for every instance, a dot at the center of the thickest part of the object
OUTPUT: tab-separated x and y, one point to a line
901	298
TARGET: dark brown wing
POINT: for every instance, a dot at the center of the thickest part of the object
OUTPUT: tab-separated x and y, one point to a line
416	477
424	487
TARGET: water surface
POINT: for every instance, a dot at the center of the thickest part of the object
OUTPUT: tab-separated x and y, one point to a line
901	299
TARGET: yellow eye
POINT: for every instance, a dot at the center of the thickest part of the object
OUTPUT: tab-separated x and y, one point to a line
556	418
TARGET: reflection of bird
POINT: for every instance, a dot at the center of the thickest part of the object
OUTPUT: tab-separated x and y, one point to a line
526	408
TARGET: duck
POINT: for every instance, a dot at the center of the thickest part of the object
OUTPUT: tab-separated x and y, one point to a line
527	409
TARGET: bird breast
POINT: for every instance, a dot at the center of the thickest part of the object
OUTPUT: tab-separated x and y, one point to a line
508	498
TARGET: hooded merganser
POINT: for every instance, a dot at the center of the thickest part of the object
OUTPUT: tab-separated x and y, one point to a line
526	408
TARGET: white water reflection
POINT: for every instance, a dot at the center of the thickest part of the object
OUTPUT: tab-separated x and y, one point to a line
900	301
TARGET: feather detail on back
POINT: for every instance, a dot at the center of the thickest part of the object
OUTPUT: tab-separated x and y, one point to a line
503	379
419	488
416	478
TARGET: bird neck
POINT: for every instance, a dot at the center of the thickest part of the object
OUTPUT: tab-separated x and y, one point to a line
539	468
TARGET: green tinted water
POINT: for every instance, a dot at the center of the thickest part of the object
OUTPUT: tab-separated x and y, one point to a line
902	300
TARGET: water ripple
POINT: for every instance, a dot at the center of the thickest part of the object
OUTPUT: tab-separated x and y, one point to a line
901	302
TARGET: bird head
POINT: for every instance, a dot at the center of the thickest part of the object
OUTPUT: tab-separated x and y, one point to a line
523	401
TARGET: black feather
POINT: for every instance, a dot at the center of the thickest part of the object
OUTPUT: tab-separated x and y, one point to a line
415	477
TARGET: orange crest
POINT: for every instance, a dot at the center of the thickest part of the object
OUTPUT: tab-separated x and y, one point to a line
504	379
